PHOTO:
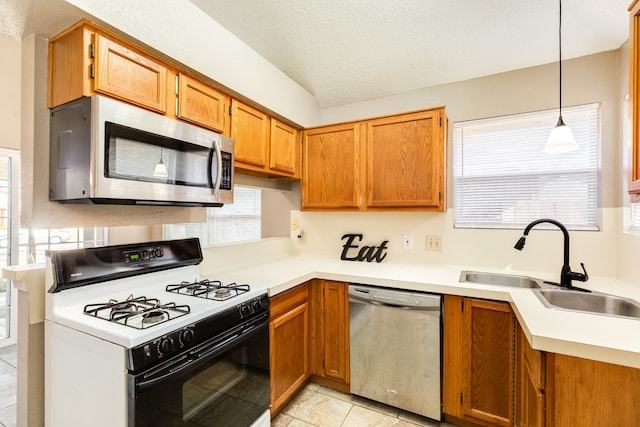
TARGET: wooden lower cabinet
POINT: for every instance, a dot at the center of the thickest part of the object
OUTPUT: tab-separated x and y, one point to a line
479	363
289	346
531	385
588	393
330	334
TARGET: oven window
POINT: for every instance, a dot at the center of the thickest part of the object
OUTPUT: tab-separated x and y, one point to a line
230	389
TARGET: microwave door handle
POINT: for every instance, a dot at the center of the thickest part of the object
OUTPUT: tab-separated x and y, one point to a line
218	155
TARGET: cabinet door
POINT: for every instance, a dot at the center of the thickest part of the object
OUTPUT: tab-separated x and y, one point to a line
289	354
285	149
478	361
127	74
589	393
250	130
634	104
336	330
531	384
489	361
200	103
405	161
331	167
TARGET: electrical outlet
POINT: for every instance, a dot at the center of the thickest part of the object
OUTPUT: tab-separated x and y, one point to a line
434	242
407	241
294	225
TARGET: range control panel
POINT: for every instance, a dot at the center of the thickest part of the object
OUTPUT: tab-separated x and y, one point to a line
81	267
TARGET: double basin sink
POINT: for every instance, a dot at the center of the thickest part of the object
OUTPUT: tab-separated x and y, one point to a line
555	297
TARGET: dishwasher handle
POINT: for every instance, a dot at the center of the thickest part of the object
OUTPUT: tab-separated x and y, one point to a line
406	300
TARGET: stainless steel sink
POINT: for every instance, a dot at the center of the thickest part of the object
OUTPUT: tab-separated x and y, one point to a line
510	280
594	303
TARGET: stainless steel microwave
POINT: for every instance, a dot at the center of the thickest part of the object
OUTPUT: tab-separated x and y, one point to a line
107	152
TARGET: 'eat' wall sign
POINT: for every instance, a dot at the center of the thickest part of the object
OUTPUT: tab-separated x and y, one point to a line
353	252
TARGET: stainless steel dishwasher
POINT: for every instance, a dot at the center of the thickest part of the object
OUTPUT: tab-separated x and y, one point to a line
395	348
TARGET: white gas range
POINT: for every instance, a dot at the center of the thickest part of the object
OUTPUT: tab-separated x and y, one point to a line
133	337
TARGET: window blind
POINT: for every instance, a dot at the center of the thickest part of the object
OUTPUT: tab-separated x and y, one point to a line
503	179
240	221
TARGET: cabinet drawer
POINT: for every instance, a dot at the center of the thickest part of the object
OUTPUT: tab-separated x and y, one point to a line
288	300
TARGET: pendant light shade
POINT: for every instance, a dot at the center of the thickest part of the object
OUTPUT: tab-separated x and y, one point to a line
561	138
160	170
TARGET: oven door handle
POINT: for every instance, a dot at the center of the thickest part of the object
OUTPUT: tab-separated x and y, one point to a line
195	360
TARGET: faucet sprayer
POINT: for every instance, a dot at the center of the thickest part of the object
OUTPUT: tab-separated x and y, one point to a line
566	275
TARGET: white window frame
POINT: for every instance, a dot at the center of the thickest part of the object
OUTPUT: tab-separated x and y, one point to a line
505	181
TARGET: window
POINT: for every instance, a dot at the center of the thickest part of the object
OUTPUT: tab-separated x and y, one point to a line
32	243
503	179
240	221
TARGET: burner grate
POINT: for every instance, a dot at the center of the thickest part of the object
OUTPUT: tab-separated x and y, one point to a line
136	312
209	289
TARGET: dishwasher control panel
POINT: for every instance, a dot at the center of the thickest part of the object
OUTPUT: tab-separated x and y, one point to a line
394	297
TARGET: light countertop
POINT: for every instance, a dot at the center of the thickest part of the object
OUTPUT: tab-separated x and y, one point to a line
591	336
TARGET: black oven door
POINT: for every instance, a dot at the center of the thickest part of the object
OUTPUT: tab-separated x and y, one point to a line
225	382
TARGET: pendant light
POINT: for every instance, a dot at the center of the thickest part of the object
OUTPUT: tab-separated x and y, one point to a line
161	169
561	138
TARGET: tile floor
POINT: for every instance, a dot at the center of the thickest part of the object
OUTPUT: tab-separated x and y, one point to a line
8	380
320	406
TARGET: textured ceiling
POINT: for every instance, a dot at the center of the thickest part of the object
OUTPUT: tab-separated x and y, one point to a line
344	51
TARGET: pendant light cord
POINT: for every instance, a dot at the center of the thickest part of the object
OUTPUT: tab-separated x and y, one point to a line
560	54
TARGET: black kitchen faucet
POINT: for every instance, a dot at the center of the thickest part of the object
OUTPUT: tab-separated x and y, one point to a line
566	275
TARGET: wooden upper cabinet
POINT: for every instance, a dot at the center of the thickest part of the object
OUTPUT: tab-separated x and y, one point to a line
201	104
250	128
264	146
634	104
285	149
405	161
70	64
84	61
394	163
331	167
125	73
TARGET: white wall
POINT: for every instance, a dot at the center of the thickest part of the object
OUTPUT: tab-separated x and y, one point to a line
589	79
10	88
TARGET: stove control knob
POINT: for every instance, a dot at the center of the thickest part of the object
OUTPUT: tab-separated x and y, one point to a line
158	252
256	305
166	345
244	310
187	336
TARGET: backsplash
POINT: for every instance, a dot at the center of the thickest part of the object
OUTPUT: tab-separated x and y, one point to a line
470	248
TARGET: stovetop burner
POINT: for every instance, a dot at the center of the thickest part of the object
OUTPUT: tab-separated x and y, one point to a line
209	289
136	312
